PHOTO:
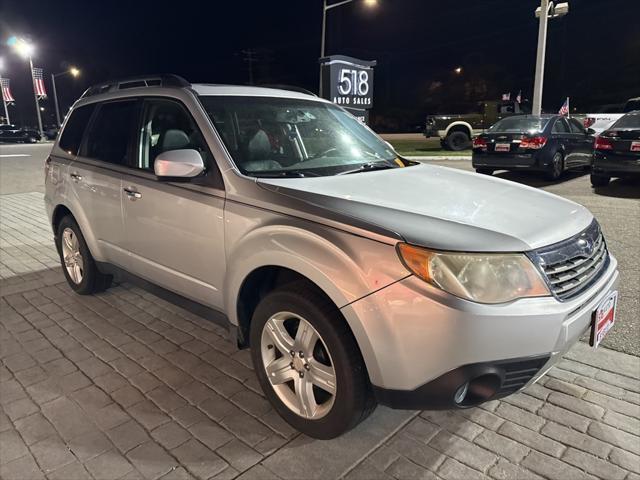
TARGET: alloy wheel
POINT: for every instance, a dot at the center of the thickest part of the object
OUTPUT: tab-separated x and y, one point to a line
298	365
73	260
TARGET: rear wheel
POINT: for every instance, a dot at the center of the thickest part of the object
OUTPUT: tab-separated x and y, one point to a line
556	168
485	171
78	265
458	140
308	363
599	180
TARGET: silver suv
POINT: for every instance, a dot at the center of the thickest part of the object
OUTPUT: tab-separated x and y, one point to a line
355	276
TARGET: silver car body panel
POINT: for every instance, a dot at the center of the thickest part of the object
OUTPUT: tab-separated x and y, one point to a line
341	233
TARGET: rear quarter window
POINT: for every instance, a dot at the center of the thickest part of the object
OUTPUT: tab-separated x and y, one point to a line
74	129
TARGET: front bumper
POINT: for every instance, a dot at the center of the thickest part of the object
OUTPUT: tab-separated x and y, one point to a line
421	344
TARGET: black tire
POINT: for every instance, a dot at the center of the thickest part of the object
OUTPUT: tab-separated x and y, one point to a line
458	140
599	180
354	400
32	140
556	169
485	171
93	281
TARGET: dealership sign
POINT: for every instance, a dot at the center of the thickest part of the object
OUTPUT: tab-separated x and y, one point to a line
348	82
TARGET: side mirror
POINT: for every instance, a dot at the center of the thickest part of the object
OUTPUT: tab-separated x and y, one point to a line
176	165
591	131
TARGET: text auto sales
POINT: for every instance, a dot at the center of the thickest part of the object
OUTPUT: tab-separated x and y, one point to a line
361	101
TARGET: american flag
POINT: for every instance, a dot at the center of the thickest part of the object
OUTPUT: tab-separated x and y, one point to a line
6	91
519	97
564	109
38	83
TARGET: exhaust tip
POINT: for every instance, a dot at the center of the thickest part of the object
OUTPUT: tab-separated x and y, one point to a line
477	390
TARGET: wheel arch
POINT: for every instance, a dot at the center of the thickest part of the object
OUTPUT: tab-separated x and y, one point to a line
60	211
459	126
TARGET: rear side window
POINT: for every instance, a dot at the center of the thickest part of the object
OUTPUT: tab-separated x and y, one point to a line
111	132
576	126
560	126
74	129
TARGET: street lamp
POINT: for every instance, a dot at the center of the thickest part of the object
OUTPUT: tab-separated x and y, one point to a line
74	72
325	9
457	70
26	50
4	102
547	9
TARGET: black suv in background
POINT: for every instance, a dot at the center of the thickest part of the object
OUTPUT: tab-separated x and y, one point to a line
13	133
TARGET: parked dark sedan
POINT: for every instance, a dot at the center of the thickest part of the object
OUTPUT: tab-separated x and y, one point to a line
13	133
541	143
617	151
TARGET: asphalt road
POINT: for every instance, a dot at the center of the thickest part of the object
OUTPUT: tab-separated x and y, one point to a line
617	208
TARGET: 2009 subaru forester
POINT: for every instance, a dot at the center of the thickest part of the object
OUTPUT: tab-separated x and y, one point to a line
356	277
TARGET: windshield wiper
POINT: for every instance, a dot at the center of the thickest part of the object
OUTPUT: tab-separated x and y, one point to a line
283	174
368	167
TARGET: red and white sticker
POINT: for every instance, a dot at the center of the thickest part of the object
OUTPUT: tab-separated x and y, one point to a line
603	318
635	146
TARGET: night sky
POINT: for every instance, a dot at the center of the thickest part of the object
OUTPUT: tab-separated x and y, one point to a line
593	54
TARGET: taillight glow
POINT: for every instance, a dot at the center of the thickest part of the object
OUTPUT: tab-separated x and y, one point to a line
533	143
480	142
602	143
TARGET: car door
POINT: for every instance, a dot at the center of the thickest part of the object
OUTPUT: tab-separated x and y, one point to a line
583	143
561	134
96	175
174	231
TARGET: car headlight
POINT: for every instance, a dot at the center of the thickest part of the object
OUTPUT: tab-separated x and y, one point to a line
479	277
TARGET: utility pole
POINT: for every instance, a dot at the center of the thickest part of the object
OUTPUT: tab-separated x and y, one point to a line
249	57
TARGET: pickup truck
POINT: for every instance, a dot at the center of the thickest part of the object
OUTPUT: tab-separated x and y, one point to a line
456	131
601	121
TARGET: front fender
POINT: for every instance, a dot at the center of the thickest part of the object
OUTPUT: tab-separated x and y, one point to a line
346	267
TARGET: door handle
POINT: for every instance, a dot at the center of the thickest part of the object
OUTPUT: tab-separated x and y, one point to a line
75	177
132	194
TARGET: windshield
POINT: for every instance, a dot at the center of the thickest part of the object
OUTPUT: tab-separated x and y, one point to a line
287	137
520	124
631	120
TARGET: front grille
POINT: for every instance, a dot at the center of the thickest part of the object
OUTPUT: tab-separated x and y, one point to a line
572	266
517	374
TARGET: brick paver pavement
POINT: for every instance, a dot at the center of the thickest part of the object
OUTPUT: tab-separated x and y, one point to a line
126	385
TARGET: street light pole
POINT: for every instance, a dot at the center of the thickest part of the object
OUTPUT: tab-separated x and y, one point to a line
325	9
55	99
542	46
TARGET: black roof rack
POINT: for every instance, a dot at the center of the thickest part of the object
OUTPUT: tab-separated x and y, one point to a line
161	80
291	88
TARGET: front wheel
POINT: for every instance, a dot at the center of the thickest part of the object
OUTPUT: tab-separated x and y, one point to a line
308	363
599	180
78	265
556	168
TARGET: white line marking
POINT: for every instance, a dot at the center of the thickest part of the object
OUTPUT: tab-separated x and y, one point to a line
16	155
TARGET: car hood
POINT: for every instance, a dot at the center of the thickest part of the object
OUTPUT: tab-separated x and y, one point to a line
442	208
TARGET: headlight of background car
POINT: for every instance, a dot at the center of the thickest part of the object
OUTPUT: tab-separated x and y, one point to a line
480	277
